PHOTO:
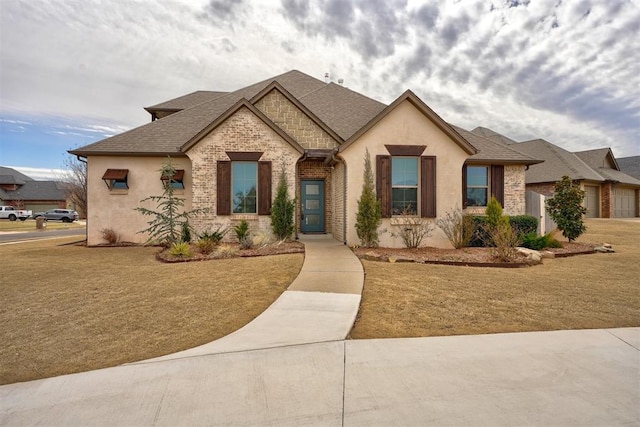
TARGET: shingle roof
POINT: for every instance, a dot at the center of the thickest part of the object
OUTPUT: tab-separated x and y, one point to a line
38	190
492	135
167	135
187	101
343	111
12	176
603	162
558	162
490	151
630	166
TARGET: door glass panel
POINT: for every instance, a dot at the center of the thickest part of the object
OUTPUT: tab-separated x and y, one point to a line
313	189
313	219
312	204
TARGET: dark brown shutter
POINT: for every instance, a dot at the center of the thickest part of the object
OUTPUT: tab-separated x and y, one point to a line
497	183
264	188
223	182
464	186
428	187
383	184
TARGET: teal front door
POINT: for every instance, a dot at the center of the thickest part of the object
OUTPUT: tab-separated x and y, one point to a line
312	205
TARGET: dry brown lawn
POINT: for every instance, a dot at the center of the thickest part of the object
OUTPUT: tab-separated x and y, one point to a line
70	308
581	292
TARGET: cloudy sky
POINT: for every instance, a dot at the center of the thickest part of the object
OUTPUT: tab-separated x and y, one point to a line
76	71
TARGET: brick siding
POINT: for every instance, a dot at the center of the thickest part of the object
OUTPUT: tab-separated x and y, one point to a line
514	189
241	132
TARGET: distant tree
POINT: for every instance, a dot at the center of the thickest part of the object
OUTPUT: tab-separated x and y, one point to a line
369	214
566	209
75	183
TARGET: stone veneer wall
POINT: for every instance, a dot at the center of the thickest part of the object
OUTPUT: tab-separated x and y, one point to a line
316	169
241	132
514	189
294	122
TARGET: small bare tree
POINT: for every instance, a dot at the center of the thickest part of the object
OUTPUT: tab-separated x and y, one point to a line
75	183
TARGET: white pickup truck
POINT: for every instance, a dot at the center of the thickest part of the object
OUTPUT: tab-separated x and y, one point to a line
11	213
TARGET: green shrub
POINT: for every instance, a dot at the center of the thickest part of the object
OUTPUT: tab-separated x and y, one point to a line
524	224
369	214
566	209
186	232
215	236
493	213
181	250
242	233
283	210
533	241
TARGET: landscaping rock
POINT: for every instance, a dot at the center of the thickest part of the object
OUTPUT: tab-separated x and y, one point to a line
603	249
371	256
530	254
547	254
607	245
394	259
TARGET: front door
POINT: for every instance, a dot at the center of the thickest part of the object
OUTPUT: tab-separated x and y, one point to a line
312	206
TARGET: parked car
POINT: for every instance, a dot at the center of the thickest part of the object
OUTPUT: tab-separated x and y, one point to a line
11	213
64	215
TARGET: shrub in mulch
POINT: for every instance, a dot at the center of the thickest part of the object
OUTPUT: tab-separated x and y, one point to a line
233	250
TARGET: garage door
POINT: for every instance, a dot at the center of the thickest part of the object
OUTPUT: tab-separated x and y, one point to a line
624	202
591	201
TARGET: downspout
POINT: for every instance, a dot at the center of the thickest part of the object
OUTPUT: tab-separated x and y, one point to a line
83	159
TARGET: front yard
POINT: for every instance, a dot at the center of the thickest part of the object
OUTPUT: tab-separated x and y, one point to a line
586	291
70	308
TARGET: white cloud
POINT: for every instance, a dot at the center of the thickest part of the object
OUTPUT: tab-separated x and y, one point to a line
41	174
564	71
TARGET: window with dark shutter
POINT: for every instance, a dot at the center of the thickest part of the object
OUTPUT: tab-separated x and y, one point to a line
464	186
428	187
223	181
264	188
497	183
383	184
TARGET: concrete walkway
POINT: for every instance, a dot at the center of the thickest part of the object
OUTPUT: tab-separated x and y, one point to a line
319	306
292	366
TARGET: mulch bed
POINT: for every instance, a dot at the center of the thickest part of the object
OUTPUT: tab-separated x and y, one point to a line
278	248
473	257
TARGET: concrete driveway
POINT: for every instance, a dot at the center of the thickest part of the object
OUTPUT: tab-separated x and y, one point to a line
561	378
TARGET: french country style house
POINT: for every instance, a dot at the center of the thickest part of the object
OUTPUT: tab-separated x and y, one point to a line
230	148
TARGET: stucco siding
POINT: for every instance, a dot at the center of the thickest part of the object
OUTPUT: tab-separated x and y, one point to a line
241	132
116	208
405	125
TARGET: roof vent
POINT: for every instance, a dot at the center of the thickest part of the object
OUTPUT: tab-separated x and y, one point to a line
326	77
340	81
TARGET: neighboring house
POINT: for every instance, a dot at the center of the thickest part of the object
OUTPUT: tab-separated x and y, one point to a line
19	190
229	150
630	166
609	192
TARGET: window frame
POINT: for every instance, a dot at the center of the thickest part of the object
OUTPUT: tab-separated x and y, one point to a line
116	179
415	210
176	181
255	187
469	187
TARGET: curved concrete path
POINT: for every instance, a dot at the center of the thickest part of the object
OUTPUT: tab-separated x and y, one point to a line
320	305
